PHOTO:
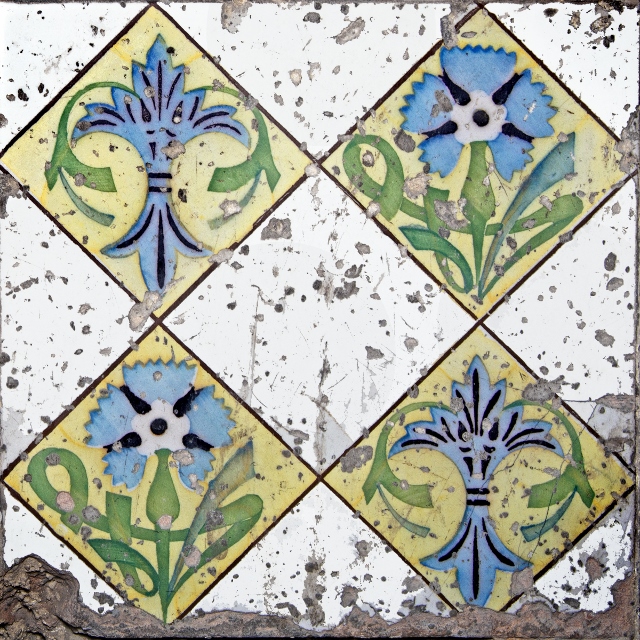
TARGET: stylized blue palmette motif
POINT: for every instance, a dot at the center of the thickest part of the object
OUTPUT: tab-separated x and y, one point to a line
158	407
476	438
159	119
478	97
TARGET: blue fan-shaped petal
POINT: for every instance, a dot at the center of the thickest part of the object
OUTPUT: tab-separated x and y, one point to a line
112	420
126	466
517	433
442	153
528	108
509	154
476	553
482	399
173	383
422	112
209	419
201	465
157	234
478	69
217	119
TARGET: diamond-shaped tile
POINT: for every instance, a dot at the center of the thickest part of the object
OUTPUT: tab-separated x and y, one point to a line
160	478
154	160
361	322
480	161
330	562
480	476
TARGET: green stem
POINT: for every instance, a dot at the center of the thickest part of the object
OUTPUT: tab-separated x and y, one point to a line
163	550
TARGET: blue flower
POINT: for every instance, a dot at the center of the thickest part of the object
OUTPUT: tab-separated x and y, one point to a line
478	97
476	437
158	120
158	407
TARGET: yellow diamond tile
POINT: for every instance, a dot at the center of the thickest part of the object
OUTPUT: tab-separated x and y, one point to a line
435	503
381	166
142	514
100	180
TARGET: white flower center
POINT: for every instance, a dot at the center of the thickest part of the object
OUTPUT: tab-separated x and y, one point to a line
160	428
481	119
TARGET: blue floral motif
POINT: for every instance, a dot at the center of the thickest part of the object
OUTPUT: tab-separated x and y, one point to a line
159	119
478	97
158	407
476	437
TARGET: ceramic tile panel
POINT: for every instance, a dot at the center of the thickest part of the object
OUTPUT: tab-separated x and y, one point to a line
318	318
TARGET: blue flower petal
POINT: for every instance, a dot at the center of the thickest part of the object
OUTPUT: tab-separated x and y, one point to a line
112	420
173	382
442	153
521	112
422	111
200	467
509	154
477	553
209	419
475	68
126	466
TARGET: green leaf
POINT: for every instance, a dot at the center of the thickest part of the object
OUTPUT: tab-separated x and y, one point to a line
555	490
119	516
227	179
417	529
551	169
426	240
564	210
388	195
129	560
381	475
238	470
532	531
104	219
78	483
63	156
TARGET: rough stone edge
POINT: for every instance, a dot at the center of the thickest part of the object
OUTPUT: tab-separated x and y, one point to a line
38	601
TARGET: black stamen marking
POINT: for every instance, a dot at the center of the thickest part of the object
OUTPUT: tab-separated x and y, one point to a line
160	263
541	443
127	442
458	94
522	434
191	441
146	114
176	230
159	90
95	123
173	86
445	129
152	145
224	126
458	546
495	552
112	113
138	404
415	442
512	423
196	102
214	114
476	565
509	130
475	385
137	236
183	405
503	93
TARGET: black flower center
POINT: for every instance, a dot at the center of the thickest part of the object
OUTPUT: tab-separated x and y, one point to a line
481	118
158	426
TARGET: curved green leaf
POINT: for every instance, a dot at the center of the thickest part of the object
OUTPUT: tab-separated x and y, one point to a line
63	156
551	169
417	529
532	531
129	560
426	240
78	483
104	219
